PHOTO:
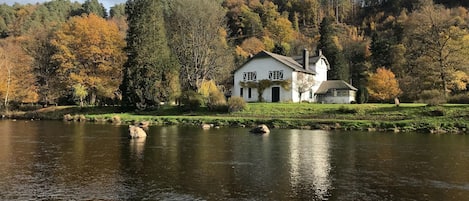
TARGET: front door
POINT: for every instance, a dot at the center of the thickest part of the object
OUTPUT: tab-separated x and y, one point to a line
275	94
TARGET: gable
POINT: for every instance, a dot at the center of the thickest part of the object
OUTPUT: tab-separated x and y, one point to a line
280	60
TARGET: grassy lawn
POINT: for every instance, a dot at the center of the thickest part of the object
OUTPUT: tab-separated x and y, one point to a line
447	117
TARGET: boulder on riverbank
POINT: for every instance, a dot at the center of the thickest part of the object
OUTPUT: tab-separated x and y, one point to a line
261	129
136	132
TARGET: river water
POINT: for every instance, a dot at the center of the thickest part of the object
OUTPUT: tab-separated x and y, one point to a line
53	160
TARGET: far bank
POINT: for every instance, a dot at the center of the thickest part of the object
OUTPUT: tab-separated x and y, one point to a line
448	118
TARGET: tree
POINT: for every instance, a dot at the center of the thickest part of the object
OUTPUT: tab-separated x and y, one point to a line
80	92
329	45
93	6
16	78
383	85
197	37
150	73
90	53
303	84
39	47
438	44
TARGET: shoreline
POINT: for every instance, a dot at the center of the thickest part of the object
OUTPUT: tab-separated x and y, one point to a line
361	117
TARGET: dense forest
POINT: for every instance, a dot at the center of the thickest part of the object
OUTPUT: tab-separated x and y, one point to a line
145	52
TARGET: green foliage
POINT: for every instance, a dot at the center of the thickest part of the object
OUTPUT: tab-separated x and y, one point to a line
148	56
327	43
459	98
217	102
236	104
80	92
432	97
191	100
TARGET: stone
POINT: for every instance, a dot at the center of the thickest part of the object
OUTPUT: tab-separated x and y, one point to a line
206	126
136	132
260	129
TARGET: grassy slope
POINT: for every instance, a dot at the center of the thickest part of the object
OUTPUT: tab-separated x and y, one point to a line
407	117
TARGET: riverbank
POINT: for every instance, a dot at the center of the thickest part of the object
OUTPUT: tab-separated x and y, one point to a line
450	118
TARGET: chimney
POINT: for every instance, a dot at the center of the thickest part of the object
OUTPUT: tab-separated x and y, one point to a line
305	59
319	52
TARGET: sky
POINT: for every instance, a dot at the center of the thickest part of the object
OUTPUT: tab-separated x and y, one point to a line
106	3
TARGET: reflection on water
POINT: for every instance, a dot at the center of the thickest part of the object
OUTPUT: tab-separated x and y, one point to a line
310	162
72	161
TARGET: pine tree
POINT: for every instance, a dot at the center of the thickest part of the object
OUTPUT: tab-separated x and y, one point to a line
331	50
149	65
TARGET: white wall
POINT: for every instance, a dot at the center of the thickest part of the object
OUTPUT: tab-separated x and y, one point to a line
339	99
262	66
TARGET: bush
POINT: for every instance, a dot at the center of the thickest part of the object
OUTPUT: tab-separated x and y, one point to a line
191	100
216	102
236	104
459	99
432	97
346	110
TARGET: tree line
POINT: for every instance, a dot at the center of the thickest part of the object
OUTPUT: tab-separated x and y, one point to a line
145	52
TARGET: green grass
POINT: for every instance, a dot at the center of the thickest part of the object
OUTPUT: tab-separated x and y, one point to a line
407	117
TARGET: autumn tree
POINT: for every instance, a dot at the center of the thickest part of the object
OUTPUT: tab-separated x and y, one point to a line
16	78
197	37
90	53
150	73
439	43
383	85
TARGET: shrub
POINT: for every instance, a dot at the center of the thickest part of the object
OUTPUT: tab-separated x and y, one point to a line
459	99
432	97
191	100
346	110
216	102
236	103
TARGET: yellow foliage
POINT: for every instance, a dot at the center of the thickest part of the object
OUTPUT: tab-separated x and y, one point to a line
383	85
252	46
90	53
208	87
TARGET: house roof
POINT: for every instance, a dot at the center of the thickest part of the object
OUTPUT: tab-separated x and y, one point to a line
313	60
287	61
334	84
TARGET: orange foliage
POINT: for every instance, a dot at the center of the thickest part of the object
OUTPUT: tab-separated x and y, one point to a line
17	82
90	53
383	85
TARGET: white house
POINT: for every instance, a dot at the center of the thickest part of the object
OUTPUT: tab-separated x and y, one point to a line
271	77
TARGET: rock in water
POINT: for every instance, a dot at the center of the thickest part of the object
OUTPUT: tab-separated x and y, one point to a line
261	129
136	132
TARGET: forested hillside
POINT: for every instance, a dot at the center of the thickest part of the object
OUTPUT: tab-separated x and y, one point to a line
149	51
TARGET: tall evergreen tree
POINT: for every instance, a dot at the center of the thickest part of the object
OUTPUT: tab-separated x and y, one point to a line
328	43
149	70
93	6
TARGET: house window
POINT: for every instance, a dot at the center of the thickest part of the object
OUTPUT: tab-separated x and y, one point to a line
241	92
249	93
276	75
334	92
250	76
311	94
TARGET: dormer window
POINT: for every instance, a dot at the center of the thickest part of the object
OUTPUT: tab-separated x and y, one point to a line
276	75
249	76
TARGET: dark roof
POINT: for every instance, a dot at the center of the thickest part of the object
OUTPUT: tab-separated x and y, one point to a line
334	84
313	60
288	61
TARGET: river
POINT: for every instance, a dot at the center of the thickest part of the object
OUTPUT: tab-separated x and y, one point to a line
53	160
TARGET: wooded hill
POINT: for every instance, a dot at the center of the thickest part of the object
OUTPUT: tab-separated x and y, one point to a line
146	51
